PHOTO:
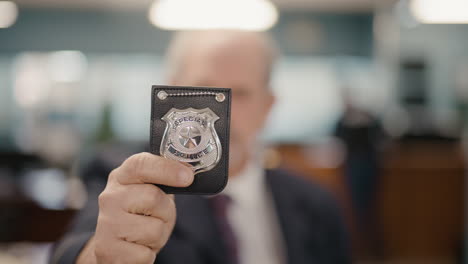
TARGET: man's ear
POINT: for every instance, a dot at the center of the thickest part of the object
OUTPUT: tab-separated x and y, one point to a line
270	100
266	109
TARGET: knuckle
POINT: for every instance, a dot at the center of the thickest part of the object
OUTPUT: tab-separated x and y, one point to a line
158	235
146	255
150	195
164	166
172	202
106	199
102	252
103	199
158	194
160	166
113	175
172	212
136	163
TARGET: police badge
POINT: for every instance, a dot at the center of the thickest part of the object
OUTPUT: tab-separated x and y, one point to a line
191	125
190	137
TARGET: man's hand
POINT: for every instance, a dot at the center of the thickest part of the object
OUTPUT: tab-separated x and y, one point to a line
136	217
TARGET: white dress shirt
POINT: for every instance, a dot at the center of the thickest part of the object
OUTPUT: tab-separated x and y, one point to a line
253	218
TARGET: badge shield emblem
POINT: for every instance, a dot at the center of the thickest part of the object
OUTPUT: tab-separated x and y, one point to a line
190	136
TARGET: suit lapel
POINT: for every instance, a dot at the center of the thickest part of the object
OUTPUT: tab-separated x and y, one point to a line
196	224
290	217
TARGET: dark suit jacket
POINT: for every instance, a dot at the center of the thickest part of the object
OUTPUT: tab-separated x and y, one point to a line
311	226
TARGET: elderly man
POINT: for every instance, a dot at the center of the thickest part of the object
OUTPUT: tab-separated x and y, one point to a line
261	216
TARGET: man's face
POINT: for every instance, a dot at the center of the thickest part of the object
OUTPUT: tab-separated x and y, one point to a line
241	68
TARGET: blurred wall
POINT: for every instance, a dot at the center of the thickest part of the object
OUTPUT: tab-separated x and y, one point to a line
444	49
302	33
124	57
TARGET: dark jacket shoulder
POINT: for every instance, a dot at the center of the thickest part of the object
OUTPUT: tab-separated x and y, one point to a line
310	219
303	190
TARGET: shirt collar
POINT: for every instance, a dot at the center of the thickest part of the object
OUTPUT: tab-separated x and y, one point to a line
248	186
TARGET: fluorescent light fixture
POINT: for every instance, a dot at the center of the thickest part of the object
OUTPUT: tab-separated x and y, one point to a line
440	11
8	13
253	15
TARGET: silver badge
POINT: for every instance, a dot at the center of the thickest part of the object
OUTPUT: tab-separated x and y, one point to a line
190	137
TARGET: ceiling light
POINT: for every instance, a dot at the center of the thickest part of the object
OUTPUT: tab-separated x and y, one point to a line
440	11
8	13
255	15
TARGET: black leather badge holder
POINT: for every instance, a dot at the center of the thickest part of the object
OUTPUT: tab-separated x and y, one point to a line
191	125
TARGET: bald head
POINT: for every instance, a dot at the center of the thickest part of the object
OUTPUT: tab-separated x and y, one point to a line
229	44
238	60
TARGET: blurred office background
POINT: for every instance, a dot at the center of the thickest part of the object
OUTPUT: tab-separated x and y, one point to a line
372	102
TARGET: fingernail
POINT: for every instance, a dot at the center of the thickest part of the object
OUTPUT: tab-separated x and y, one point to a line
185	176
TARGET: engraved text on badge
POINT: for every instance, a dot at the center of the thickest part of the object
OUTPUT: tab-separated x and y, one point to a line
190	136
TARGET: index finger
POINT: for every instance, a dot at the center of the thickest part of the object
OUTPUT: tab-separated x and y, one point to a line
148	168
